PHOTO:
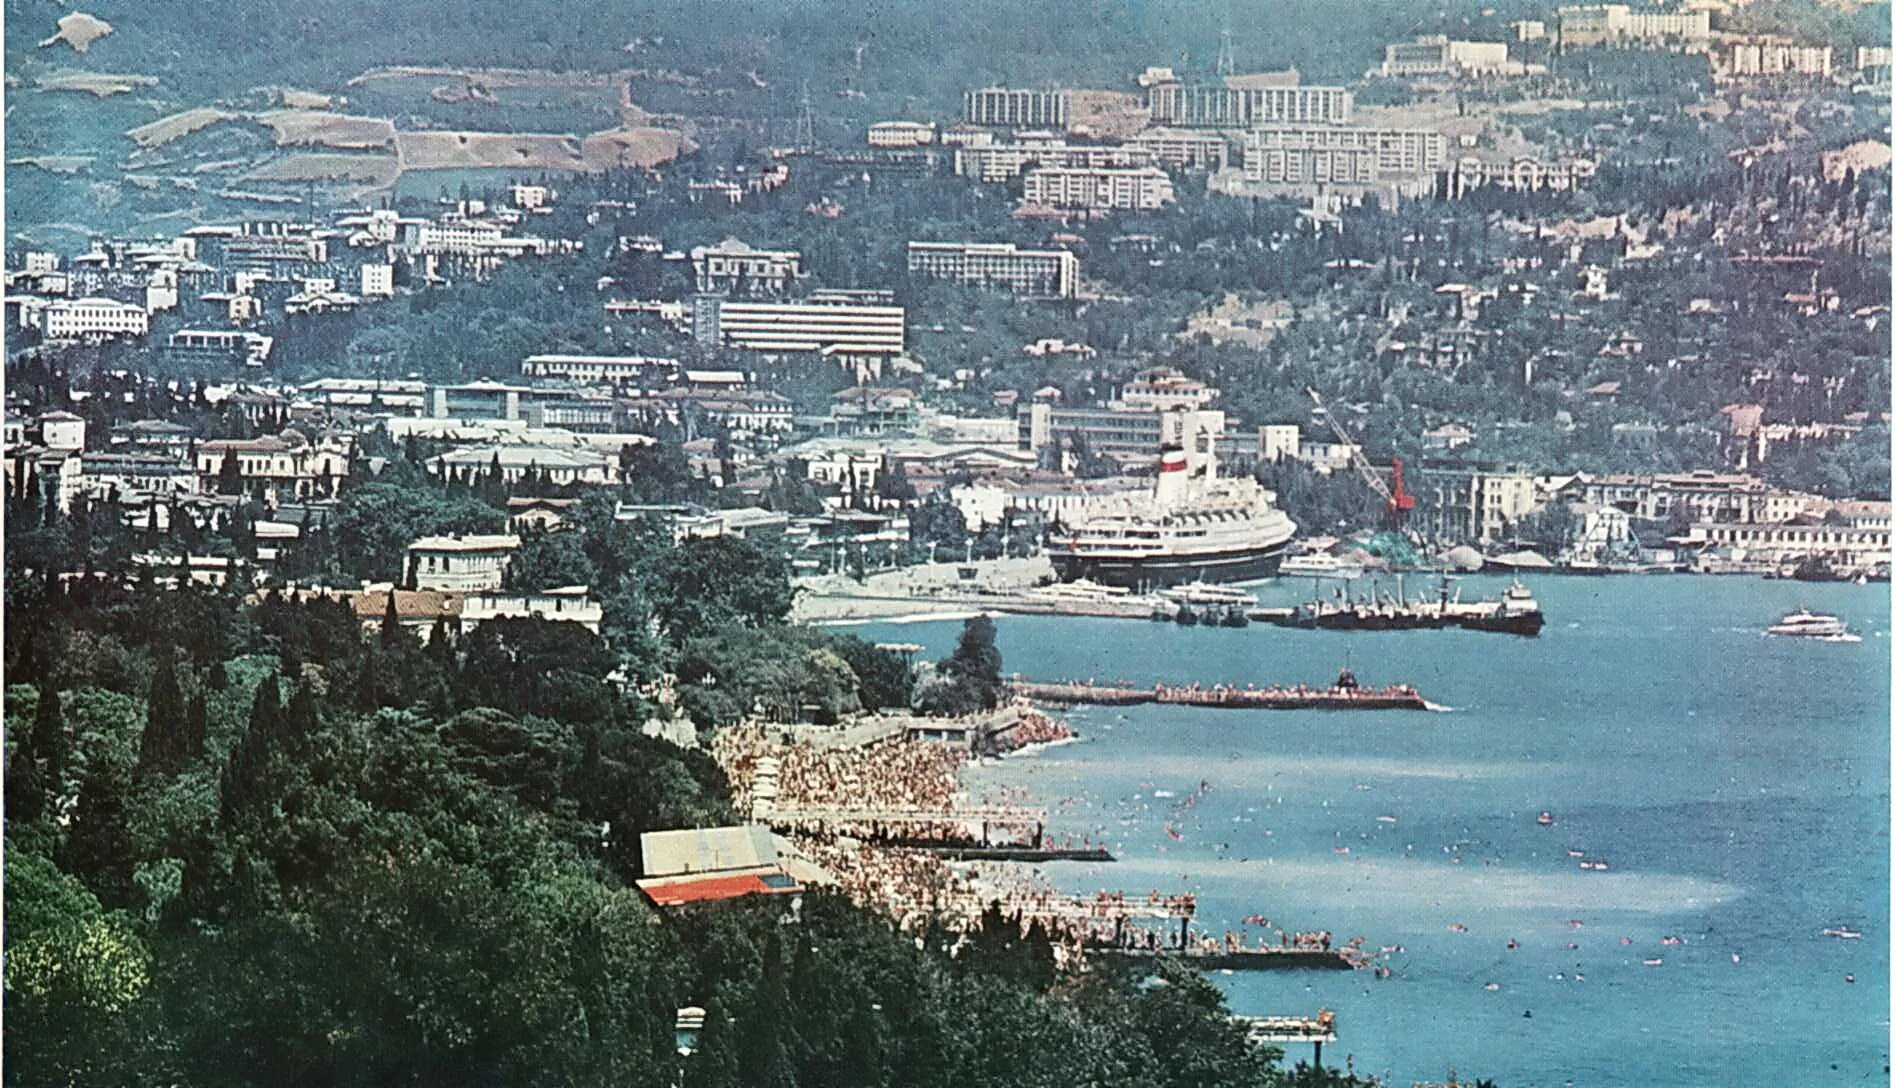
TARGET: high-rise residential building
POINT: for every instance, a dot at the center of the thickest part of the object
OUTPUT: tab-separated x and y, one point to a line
831	323
1144	188
1223	106
731	266
1050	273
1341	155
1017	108
1619	24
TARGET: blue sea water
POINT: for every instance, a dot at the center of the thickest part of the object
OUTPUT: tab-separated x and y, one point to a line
1736	784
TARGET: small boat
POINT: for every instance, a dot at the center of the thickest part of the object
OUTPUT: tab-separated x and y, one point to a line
1545	819
1576	853
1654	962
1843	933
1320	565
1804	623
1234	617
1594	866
1186	617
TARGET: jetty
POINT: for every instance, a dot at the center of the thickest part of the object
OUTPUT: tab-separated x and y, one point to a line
1241	959
1279	1030
1345	694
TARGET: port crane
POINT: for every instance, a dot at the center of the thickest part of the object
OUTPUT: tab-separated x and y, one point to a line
1396	502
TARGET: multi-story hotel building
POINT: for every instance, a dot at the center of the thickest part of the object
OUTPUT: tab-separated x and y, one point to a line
1145	188
1046	273
1619	24
832	323
1214	106
1015	108
1345	155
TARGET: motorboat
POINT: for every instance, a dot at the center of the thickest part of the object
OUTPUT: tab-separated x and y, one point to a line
1804	623
1320	565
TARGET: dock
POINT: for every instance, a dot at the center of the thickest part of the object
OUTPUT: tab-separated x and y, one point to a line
1340	696
982	852
1281	1030
1241	959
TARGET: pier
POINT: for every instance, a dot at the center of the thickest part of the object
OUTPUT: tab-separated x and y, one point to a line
1241	959
1340	696
1315	1030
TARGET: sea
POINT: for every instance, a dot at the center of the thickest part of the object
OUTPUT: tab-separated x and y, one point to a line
1736	785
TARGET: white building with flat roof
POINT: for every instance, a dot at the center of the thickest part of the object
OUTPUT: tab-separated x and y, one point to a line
598	369
460	564
1619	24
1145	188
1042	273
1005	107
901	134
93	319
840	327
1440	55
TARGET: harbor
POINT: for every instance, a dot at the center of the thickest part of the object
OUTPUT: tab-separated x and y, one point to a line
1402	833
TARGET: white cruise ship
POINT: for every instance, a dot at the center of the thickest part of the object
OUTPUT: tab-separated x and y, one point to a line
1192	527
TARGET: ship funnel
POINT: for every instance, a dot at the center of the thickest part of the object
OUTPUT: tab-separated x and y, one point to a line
1172	473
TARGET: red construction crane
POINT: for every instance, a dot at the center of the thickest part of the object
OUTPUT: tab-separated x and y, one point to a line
1396	503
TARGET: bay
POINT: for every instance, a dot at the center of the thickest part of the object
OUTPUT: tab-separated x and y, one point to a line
1737	785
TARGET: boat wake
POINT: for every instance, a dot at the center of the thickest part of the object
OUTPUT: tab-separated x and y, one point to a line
1437	707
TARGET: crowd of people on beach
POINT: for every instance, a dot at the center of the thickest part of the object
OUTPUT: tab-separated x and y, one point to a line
850	810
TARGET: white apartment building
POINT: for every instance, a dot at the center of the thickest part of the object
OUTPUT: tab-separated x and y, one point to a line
1218	106
598	369
999	162
900	134
1014	108
1344	155
1048	273
1520	174
832	325
1184	149
1440	55
378	281
460	564
1763	56
1145	188
530	197
93	319
733	266
465	238
1619	24
568	604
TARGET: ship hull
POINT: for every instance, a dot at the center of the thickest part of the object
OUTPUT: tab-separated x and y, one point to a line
1159	572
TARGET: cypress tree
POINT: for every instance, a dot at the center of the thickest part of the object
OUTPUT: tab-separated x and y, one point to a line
243	789
98	849
197	722
51	744
163	747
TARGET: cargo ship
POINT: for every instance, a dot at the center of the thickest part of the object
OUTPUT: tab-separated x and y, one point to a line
1515	612
1192	526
